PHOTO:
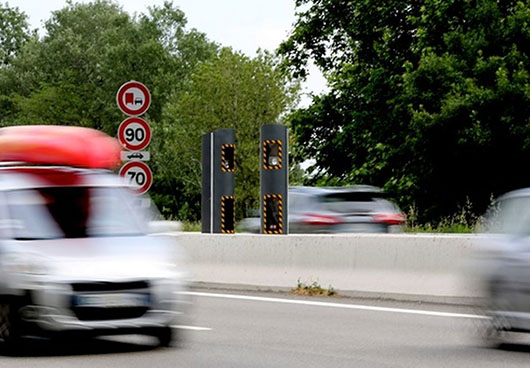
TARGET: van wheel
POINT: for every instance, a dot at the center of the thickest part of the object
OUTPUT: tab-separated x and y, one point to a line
164	336
9	325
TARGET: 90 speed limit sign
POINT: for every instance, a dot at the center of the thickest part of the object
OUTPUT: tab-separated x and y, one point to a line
139	176
134	134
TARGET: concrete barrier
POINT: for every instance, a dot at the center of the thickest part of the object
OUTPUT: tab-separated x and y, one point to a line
401	266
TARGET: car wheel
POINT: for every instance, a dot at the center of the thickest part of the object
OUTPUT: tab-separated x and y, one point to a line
493	333
165	336
9	325
495	329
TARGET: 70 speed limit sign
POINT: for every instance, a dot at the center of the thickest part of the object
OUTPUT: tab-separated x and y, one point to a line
134	134
139	176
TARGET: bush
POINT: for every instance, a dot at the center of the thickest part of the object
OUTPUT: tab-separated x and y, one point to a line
464	221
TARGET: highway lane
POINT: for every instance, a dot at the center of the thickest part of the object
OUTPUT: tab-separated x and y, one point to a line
278	330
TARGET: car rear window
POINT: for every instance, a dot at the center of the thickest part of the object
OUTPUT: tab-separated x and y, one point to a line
73	212
354	202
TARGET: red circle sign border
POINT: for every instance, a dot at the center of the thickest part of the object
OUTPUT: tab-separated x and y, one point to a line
147	170
119	98
121	133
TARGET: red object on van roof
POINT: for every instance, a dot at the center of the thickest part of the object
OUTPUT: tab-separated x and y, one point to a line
59	145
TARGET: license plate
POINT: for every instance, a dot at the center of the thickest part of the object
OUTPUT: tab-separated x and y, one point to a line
112	300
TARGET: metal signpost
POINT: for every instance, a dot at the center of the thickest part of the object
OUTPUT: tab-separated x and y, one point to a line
218	167
134	134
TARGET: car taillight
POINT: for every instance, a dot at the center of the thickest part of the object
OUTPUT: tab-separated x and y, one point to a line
313	219
390	218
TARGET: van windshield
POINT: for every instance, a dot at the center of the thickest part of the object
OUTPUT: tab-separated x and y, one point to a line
73	212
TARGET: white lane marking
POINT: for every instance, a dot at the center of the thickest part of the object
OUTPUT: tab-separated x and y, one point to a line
192	328
337	305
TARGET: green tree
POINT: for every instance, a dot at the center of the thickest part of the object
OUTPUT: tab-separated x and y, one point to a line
428	99
230	91
14	33
71	75
357	132
469	100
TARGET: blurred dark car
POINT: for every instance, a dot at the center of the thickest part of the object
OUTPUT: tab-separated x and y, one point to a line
503	265
353	209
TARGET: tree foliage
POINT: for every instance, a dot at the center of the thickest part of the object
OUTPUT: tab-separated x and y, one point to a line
429	98
13	33
229	91
71	75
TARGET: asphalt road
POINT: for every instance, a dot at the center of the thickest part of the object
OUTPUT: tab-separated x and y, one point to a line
275	330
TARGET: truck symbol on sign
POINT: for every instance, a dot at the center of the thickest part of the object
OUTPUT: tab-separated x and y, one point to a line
129	98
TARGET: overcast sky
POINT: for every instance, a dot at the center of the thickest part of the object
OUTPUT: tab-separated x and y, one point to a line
245	25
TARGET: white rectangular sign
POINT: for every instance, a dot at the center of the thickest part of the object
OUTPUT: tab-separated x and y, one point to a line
135	155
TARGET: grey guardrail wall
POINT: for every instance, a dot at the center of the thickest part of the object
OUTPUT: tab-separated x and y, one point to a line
402	266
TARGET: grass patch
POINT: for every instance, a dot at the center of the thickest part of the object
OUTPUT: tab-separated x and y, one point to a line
191	226
312	289
195	226
465	220
449	228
